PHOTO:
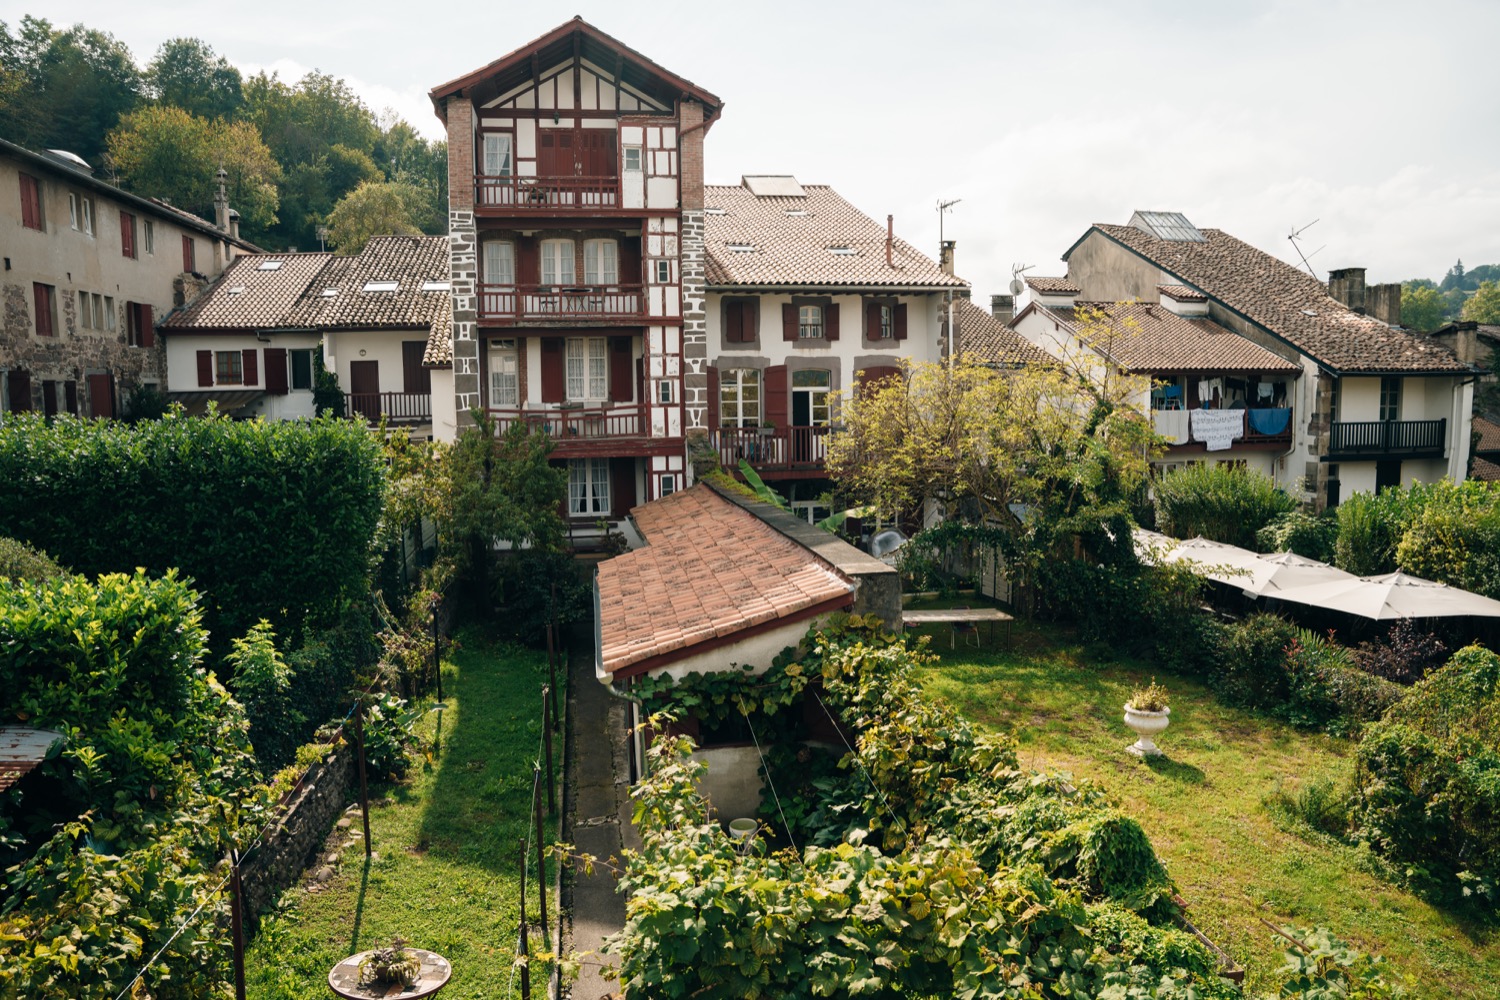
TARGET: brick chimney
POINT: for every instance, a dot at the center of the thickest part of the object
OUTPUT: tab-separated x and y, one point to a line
1003	307
945	256
1384	302
1466	341
1347	284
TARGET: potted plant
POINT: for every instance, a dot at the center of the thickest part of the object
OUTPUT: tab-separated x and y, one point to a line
394	965
1147	714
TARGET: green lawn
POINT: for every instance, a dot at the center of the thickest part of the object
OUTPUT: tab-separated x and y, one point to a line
446	844
1203	805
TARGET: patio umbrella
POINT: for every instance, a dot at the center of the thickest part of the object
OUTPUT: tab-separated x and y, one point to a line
1394	595
1282	571
1225	563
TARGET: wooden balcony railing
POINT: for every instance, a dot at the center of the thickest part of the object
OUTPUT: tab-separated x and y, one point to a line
1388	438
578	423
396	407
545	195
782	449
539	303
1257	426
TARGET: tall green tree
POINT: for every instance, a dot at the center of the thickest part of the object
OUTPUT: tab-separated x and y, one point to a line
1484	305
1422	307
186	73
373	209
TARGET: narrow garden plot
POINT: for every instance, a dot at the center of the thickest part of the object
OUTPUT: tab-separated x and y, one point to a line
1204	804
447	846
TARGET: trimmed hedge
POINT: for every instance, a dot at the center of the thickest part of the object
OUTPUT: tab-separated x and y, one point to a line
1221	502
270	520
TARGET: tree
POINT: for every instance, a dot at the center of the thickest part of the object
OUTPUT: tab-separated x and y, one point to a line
1484	305
372	209
1422	307
188	74
165	152
1454	279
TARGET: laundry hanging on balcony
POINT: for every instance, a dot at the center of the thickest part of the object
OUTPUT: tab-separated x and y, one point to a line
1171	424
1218	429
1268	422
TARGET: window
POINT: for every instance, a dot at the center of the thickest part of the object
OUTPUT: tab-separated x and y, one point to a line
302	369
668	485
381	286
741	320
31	203
96	303
810	397
588	486
887	321
809	322
229	368
739	398
587	368
85	315
109	313
632	159
499	263
497	158
139	326
601	262
149	232
189	254
81	213
557	263
664	272
127	235
45	299
505	386
664	393
1390	398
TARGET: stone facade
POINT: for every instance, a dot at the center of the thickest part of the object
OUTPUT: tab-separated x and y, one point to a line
694	325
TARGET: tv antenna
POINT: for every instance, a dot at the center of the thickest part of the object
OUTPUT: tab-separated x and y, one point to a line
1017	286
1306	257
943	208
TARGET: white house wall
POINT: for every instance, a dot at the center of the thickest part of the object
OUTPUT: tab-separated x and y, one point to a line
182	370
382	346
444	407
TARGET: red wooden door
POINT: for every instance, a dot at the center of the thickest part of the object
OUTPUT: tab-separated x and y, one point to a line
364	389
596	153
555	153
414	378
101	395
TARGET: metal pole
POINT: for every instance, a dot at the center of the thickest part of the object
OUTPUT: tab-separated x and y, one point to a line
526	958
552	667
541	846
364	792
237	918
547	739
437	657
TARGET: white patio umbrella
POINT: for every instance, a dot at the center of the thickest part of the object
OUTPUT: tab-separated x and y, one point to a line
1282	571
1394	595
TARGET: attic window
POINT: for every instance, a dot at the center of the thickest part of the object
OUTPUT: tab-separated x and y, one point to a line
329	293
844	251
268	265
796	213
237	289
381	286
716	211
740	247
436	286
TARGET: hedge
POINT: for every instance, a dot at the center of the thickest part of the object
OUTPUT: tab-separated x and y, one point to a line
1224	503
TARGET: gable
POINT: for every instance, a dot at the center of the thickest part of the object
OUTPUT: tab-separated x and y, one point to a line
594	89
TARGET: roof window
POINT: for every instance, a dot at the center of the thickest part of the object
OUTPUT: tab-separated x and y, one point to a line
716	211
843	251
740	247
382	286
796	213
1309	312
237	289
329	293
436	286
268	265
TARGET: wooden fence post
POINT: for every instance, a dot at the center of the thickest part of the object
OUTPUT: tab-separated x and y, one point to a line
364	792
541	846
525	950
237	921
547	739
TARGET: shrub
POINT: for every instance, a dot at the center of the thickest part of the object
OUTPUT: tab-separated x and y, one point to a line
1321	805
1221	502
1371	526
1320	966
19	561
1310	535
1151	698
1405	656
1453	537
1252	661
271	519
262	681
1325	689
1461	699
390	736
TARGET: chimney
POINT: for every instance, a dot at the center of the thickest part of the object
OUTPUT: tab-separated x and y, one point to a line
1466	342
945	256
890	239
1003	307
1348	286
221	202
1384	302
234	224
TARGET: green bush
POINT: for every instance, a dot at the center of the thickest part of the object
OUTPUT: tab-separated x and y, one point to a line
1454	536
262	681
1325	688
1371	526
1224	503
390	736
1310	535
1251	669
19	561
1321	966
270	519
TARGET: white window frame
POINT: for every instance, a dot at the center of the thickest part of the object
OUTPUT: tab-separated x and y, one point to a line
638	156
810	322
735	409
109	313
499	154
668	484
505	385
887	321
85	315
558	267
665	394
664	272
500	263
148	235
820	397
587	367
601	262
588	487
81	213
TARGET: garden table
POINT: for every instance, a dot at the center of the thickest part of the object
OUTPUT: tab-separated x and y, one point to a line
344	978
956	616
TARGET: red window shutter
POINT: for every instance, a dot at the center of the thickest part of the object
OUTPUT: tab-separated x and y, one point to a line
528	262
775	385
102	395
621	485
868	378
415	379
31	202
127	234
872	320
713	398
788	321
276	383
189	257
751	318
554	371
630	259
621	370
42	296
70	393
205	368
252	366
49	398
831	321
734	322
900	320
146	324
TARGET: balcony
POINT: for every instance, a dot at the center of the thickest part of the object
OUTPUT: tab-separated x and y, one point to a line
395	407
782	449
1254	427
514	195
1388	439
532	304
579	430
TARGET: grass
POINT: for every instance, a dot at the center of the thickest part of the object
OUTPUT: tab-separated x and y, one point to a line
1204	805
447	845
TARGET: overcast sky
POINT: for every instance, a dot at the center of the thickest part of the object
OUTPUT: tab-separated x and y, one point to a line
1378	119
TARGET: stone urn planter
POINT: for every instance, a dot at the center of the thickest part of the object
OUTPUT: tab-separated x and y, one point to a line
1146	725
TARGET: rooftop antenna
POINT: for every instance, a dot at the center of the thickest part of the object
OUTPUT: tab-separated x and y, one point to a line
1297	233
943	208
1017	286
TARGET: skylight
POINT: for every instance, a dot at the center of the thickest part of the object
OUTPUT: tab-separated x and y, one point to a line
740	247
436	286
381	286
268	265
796	212
1171	226
329	293
844	251
716	211
237	289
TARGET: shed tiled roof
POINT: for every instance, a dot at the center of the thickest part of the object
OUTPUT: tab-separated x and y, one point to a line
248	297
794	250
409	261
1052	286
1182	293
1488	471
439	351
708	571
984	338
1289	303
1489	435
1151	338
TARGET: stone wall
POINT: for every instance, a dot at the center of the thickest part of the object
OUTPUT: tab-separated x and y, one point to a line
694	324
290	845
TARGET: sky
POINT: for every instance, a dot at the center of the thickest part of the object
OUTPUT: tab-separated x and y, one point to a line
1361	123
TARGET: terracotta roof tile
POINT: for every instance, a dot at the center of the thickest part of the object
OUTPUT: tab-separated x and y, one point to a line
985	339
1052	286
1182	293
1290	303
792	242
1152	338
709	570
1489	435
248	295
1485	470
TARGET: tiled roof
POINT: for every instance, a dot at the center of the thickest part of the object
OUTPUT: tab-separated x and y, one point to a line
1488	471
249	296
1052	286
1152	338
798	249
984	338
708	571
439	351
1489	435
1291	304
1182	293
